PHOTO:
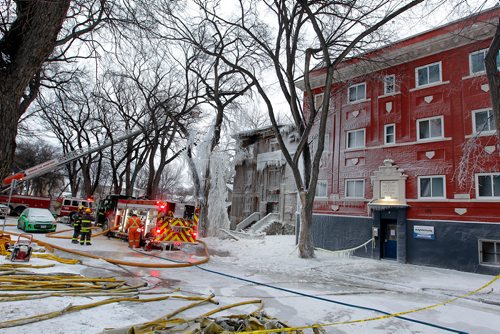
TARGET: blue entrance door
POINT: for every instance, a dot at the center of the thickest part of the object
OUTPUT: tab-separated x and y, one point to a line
390	243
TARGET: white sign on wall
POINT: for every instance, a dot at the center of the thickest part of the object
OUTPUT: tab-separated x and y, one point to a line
423	232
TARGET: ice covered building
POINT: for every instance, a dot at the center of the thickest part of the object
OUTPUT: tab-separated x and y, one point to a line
264	195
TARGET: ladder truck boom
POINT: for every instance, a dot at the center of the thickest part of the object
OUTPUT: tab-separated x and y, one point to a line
56	163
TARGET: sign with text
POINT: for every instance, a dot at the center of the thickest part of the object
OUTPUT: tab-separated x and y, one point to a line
389	189
423	232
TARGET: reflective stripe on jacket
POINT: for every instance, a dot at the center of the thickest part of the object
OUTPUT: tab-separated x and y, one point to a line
134	222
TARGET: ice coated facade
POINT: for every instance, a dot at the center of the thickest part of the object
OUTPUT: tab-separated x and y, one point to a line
398	122
264	193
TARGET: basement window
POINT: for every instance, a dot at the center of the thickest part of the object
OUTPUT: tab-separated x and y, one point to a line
489	252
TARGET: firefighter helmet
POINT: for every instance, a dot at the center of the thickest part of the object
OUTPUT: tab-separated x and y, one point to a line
88	210
81	208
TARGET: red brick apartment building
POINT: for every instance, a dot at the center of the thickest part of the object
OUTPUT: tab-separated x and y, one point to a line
394	165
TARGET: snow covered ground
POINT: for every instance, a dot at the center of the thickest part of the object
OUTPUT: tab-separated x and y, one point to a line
324	290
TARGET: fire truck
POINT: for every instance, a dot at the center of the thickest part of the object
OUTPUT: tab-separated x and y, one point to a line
65	208
18	203
164	223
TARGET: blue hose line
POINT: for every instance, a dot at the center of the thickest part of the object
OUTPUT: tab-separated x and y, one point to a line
308	295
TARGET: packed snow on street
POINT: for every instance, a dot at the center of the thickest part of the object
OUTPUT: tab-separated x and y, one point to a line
343	294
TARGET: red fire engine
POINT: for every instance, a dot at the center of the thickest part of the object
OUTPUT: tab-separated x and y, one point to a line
164	223
20	202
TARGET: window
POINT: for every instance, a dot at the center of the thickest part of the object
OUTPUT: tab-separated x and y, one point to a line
489	252
389	84
483	121
430	128
248	204
318	101
274	145
356	138
321	188
67	202
476	61
357	92
248	177
488	185
355	188
428	74
389	134
431	187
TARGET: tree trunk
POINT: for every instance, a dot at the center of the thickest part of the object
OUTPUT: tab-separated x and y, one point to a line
23	50
306	242
494	78
8	124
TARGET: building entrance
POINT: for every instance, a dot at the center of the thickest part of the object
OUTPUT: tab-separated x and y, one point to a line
389	239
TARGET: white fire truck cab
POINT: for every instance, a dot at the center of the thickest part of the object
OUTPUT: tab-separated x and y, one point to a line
67	207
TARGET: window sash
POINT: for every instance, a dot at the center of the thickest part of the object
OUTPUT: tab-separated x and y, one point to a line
484	121
321	188
431	187
489	252
355	188
476	61
356	138
357	92
389	84
430	128
488	185
389	134
318	101
428	74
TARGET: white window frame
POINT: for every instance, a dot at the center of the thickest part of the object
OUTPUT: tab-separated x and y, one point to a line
432	83
483	51
385	134
393	76
431	177
496	250
347	139
492	184
353	180
429	119
318	99
349	92
474	125
325	184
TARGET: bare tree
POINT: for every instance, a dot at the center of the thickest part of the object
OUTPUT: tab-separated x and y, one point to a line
31	33
32	153
340	30
491	62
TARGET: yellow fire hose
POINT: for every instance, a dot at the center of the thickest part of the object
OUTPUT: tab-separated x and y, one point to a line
71	308
120	262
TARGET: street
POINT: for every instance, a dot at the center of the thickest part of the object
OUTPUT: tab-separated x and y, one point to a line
327	290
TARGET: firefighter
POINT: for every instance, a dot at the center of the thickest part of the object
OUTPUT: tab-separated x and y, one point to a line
134	227
77	224
86	221
101	217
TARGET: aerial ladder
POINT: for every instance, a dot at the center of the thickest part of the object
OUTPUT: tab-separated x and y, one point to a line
56	163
